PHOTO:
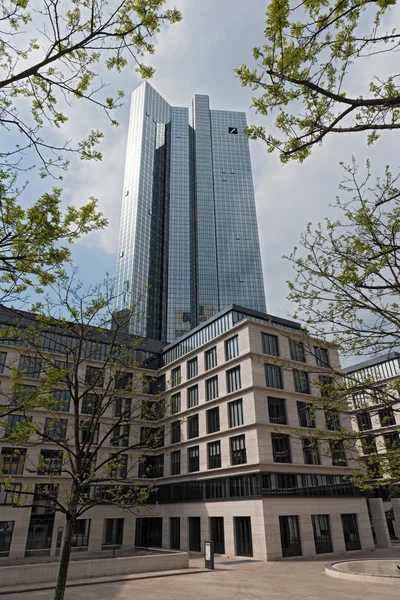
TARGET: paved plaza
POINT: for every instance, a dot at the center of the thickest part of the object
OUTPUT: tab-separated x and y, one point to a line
239	581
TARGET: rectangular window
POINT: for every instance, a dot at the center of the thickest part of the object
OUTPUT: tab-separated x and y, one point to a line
62	399
14	422
297	351
273	377
277	410
90	403
270	344
153	410
175	533
281	448
120	436
12	461
118	465
301	381
6	531
311	451
50	462
192	368
212	388
152	437
176	462
23	395
238	450
8	496
211	358
364	421
243	538
368	444
194	526
94	377
175	376
392	441
232	348
235	413
80	537
3	357
193	426
122	408
350	532
55	429
326	385
149	532
193	396
387	417
338	453
217	535
321	356
113	532
213	420
233	380
193	459
214	455
322	534
306	414
151	466
30	366
124	381
290	535
175	432
176	403
332	420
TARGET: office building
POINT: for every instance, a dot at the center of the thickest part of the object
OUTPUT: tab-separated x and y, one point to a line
231	466
188	243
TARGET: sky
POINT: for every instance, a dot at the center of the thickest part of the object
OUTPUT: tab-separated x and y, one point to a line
199	55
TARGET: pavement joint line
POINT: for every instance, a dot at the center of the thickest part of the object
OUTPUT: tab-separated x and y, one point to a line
102	580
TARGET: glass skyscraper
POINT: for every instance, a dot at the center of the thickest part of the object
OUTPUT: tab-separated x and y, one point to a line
188	244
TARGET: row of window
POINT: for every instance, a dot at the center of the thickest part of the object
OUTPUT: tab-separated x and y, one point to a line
306	413
386	415
281	450
270	346
301	379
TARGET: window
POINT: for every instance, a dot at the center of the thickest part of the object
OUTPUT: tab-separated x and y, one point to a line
338	453
113	532
23	394
235	413
152	437
350	532
232	130
392	441
273	377
211	358
3	356
281	448
232	348
50	462
290	535
311	451
148	532
193	396
14	422
270	344
368	444
176	403
6	531
175	376
322	534
243	538
175	533
55	429
277	410
301	381
152	410
213	420
176	462
88	434
364	421
80	537
122	408
89	403
386	417
238	450
193	459
326	385
7	496
306	414
214	455
194	527
120	436
62	399
212	388
30	366
12	461
297	351
233	381
151	466
175	432
124	381
332	420
94	377
193	426
192	368
321	356
118	466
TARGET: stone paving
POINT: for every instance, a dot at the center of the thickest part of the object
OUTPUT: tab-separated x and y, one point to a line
288	580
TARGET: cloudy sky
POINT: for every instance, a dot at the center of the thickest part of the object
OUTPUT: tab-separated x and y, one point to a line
199	55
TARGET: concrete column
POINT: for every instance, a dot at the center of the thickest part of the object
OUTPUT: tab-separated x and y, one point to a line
379	523
396	511
96	535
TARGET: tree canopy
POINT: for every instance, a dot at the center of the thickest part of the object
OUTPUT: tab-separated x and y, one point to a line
305	73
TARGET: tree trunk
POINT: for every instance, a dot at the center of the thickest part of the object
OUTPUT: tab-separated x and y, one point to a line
65	558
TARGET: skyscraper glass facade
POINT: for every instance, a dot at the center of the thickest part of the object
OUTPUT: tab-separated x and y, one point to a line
188	244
